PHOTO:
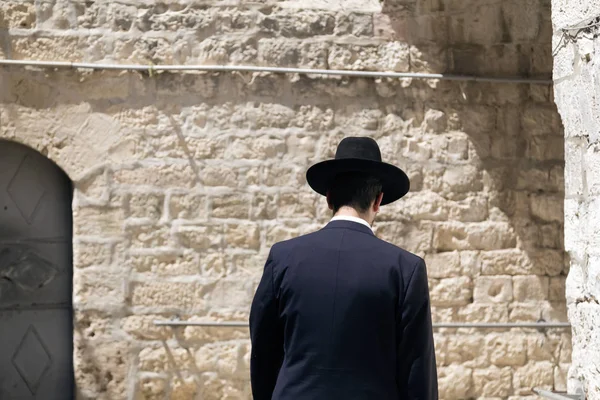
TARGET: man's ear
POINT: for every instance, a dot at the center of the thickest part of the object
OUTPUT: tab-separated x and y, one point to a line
377	202
329	201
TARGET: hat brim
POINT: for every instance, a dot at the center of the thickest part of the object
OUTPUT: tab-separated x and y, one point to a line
394	181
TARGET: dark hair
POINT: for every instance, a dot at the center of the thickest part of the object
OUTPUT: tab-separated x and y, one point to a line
354	189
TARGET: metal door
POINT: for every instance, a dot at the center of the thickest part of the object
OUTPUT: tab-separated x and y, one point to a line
36	328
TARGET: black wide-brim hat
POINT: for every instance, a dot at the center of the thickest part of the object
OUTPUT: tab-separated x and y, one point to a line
359	154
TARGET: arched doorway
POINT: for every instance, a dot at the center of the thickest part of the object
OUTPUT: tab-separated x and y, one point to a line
36	328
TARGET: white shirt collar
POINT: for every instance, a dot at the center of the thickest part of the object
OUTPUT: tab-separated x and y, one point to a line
353	219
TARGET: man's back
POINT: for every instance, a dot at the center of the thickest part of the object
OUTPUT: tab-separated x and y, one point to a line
342	314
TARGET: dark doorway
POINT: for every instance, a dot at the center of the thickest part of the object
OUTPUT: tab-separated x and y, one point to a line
36	328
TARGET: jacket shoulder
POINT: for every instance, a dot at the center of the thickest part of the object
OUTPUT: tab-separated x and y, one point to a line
281	249
404	257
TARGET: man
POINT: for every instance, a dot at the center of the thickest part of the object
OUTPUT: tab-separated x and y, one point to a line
339	313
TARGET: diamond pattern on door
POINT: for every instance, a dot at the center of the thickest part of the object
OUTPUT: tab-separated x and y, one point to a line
26	189
24	268
31	359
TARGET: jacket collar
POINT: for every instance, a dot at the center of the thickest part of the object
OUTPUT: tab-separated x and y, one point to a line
353	219
345	224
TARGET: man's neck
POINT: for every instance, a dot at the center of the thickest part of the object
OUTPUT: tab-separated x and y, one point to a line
351	212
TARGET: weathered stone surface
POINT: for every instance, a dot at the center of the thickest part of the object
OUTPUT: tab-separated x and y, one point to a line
167	295
492	382
184	180
540	375
505	349
579	109
451	291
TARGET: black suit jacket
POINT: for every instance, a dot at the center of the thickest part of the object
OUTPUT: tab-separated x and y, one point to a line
341	314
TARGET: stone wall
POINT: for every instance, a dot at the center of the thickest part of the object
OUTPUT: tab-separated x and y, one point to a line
183	181
576	75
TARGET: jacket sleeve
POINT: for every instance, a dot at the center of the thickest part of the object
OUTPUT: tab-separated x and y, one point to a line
417	372
266	336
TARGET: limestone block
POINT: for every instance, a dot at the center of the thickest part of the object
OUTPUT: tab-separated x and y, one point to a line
534	374
451	291
166	358
526	312
246	236
264	206
47	48
547	208
262	147
191	206
455	382
101	369
142	327
297	205
145	205
167	295
448	264
507	349
104	222
458	179
203	148
166	263
591	161
565	348
560	377
390	56
543	348
443	265
157	175
151	388
232	294
94	325
298	23
530	288
87	254
471	209
300	147
280	232
203	335
213	264
467	350
535	179
219	176
279	175
18	14
483	312
148	236
234	205
420	205
574	166
225	358
214	388
183	389
541	120
284	53
554	310
522	22
500	262
199	237
474	236
414	237
493	289
545	148
492	382
100	289
353	23
483	26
